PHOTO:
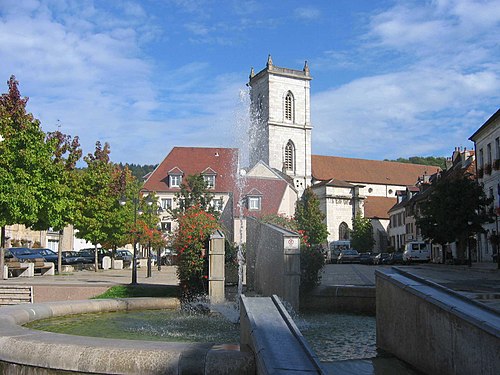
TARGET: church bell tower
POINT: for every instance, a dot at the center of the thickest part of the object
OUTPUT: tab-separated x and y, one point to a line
280	133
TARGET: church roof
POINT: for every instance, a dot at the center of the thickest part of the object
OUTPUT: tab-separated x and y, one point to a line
378	207
195	160
271	192
367	171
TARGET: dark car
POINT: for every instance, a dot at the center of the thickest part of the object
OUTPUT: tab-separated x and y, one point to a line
21	254
394	258
124	255
47	254
366	258
74	257
380	258
348	256
89	254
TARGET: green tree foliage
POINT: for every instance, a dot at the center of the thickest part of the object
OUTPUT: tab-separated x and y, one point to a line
455	209
438	161
26	167
98	202
137	170
190	241
193	192
310	218
362	234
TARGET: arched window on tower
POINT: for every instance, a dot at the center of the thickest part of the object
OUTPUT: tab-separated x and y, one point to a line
289	106
289	159
343	231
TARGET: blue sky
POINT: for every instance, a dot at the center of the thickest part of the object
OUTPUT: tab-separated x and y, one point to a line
390	78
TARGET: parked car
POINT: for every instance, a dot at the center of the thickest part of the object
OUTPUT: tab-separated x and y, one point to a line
394	258
90	254
20	254
348	256
168	257
366	258
124	255
74	257
47	254
380	258
417	251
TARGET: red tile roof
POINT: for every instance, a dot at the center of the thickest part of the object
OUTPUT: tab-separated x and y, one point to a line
378	207
195	160
271	192
367	171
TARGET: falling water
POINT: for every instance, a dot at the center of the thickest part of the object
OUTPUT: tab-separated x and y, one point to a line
241	136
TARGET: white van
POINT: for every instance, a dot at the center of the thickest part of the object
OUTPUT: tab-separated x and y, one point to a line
417	251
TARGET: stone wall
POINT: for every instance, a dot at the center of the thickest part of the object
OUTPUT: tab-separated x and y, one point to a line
272	267
434	330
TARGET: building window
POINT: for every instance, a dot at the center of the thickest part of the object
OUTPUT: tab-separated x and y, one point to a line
481	158
175	180
289	162
343	231
289	106
497	148
210	181
370	190
166	203
166	226
254	203
217	204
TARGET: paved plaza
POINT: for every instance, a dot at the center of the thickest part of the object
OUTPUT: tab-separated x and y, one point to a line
480	282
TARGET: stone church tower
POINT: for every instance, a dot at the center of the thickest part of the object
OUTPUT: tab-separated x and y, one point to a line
281	121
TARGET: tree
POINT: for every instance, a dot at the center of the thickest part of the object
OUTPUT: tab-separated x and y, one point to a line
362	233
194	192
190	238
98	203
455	209
310	218
33	180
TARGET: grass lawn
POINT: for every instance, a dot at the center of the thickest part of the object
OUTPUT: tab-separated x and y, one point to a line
130	291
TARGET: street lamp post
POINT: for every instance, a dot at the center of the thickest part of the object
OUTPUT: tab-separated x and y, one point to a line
469	260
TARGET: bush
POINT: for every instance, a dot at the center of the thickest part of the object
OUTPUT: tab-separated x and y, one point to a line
190	240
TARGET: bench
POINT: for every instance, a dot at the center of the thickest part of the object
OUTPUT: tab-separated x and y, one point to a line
18	269
15	294
45	268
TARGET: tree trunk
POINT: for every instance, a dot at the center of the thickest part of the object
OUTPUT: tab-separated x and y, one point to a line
2	251
96	258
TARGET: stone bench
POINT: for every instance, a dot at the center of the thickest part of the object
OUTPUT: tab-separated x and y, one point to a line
15	294
18	269
45	268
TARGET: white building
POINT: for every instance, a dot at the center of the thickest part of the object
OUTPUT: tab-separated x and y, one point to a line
281	137
487	145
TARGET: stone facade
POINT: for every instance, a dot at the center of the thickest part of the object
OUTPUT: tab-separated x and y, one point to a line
275	125
487	144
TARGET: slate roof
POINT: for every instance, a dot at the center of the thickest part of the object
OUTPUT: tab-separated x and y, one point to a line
378	207
195	160
367	171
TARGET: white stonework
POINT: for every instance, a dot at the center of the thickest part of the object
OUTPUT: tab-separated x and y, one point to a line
272	130
487	144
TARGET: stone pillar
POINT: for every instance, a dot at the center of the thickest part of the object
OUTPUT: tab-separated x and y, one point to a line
216	265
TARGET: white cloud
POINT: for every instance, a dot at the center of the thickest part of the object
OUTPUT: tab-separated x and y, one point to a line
436	91
307	13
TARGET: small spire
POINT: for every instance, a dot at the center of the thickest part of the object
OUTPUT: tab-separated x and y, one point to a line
269	62
306	68
252	73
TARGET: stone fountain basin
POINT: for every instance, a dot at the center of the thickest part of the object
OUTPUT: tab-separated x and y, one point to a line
27	351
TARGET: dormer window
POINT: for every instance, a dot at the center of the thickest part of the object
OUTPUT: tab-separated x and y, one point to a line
254	203
175	180
209	177
175	177
210	181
